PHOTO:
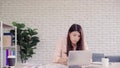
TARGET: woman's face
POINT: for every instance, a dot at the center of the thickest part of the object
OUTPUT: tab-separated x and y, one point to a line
74	37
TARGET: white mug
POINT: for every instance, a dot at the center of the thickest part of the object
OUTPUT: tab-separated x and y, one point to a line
105	62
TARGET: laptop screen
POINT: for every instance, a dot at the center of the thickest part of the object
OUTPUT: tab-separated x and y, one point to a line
79	58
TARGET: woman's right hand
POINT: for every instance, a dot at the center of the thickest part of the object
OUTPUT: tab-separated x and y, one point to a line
63	61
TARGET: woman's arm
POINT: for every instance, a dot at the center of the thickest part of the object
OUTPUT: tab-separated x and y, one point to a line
58	54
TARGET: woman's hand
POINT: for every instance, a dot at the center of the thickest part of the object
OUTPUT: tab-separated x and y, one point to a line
63	61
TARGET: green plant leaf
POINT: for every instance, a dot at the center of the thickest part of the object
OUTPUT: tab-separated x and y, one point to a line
26	39
18	25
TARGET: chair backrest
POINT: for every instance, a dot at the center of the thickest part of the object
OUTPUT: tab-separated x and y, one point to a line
96	57
114	58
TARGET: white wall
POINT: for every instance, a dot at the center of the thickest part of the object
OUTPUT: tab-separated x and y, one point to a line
99	19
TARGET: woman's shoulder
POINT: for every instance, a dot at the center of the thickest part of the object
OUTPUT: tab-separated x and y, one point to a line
62	39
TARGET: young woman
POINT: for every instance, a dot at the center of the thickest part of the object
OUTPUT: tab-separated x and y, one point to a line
74	41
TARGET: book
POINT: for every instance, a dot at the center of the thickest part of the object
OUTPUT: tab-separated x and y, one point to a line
7	39
7	56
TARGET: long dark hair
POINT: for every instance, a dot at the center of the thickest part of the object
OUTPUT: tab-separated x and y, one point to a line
80	43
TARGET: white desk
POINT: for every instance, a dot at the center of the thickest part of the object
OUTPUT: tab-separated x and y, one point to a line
114	65
99	65
93	65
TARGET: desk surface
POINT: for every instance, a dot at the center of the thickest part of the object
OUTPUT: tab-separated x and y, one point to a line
99	65
93	65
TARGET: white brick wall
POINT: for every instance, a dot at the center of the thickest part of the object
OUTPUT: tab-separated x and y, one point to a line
99	19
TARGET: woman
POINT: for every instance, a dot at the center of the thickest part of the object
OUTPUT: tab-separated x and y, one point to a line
74	41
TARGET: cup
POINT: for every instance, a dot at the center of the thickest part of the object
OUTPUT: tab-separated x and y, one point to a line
11	61
105	62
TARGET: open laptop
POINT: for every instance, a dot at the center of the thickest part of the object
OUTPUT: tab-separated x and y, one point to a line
76	59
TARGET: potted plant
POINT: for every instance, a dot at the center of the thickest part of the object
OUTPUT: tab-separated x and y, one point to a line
26	40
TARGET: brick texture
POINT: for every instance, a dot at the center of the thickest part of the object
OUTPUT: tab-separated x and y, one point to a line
99	19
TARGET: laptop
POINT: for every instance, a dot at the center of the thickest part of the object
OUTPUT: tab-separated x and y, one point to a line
76	59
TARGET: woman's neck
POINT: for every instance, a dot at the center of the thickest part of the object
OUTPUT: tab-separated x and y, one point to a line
74	46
